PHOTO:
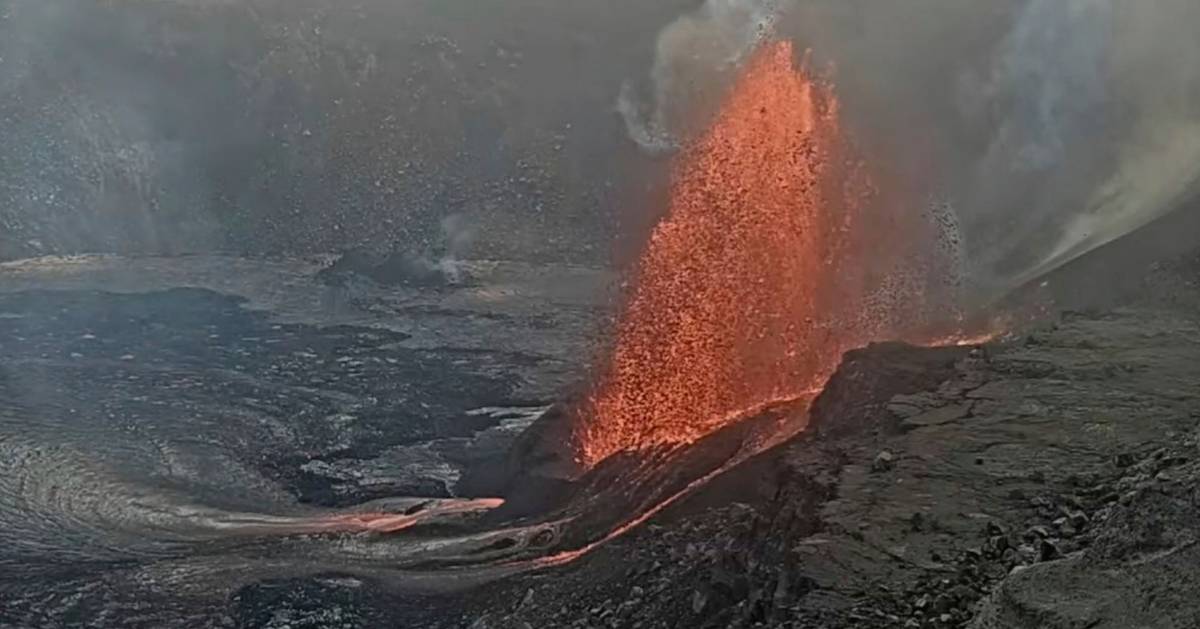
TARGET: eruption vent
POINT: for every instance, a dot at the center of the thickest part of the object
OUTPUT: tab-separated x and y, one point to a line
774	258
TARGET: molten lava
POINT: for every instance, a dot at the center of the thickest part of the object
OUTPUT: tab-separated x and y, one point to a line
774	257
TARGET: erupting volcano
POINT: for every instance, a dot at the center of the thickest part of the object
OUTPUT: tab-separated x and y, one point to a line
777	254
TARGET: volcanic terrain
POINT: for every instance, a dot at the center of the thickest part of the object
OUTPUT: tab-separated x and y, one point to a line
1045	480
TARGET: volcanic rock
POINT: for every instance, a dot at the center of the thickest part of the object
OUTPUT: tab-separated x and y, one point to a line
860	526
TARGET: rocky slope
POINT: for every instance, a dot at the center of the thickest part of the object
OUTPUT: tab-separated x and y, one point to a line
1047	482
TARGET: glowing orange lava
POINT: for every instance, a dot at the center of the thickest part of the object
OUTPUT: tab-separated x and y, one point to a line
773	259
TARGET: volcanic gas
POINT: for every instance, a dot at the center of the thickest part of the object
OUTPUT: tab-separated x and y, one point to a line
777	253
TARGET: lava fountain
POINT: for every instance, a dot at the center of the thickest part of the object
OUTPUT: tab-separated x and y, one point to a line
775	256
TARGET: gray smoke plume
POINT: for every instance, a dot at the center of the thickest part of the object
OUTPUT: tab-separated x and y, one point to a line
694	57
1101	120
458	234
1053	126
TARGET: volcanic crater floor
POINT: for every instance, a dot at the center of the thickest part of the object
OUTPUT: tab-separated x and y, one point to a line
1052	480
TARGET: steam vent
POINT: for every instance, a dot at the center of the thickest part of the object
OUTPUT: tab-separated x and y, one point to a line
616	315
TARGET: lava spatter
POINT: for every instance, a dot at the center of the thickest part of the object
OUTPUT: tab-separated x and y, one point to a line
771	261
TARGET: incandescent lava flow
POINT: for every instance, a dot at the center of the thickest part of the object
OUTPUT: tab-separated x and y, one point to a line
776	255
